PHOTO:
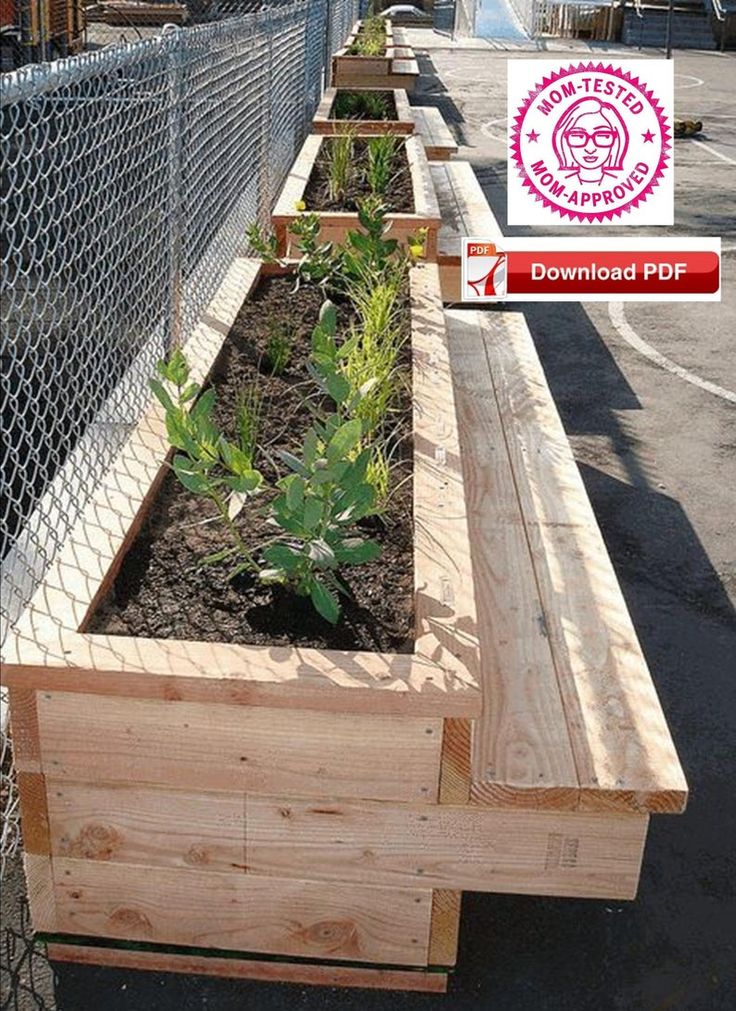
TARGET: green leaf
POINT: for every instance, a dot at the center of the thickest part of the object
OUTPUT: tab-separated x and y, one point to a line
325	602
203	407
190	476
356	551
161	395
294	492
293	463
245	484
178	367
281	556
328	317
177	431
312	513
235	459
338	387
271	576
345	439
322	554
311	447
189	393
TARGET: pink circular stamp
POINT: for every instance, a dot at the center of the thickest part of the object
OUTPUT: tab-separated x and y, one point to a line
591	142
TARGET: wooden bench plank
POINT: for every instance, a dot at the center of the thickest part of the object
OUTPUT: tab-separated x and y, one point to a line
463	207
564	853
400	66
440	846
521	747
624	753
243	912
465	212
436	136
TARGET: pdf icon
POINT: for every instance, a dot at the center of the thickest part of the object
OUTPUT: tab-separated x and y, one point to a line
483	271
590	143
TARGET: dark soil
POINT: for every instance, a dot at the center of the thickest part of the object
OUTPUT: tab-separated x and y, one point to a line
351	105
162	591
399	197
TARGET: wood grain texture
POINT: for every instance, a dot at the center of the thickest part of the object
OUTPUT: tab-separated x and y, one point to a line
521	747
45	650
445	605
184	744
243	912
464	208
33	812
24	729
134	824
439	143
40	891
445	928
446	846
455	768
248	968
624	753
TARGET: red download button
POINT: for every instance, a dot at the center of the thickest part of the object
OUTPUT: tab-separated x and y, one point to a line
613	273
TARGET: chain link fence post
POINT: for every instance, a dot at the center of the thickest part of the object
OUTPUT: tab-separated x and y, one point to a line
173	334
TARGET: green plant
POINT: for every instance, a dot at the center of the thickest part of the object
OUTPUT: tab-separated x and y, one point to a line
317	509
360	105
339	154
279	344
371	39
248	413
207	463
264	244
378	475
382	155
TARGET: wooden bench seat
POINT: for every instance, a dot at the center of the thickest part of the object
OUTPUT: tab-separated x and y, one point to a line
571	718
439	143
465	212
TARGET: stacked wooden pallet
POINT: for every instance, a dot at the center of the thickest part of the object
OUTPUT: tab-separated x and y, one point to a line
315	816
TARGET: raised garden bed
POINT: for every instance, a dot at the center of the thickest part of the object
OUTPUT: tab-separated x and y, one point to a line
381	112
412	195
138	752
395	67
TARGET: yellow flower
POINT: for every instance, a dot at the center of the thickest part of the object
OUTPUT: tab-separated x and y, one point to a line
300	205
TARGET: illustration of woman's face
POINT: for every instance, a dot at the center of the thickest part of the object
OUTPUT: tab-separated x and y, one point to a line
591	139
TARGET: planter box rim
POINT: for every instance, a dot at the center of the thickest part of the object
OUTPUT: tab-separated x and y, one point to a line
324	123
426	208
46	649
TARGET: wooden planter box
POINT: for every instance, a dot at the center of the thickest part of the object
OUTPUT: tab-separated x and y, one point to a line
313	816
324	123
171	791
357	65
335	224
396	68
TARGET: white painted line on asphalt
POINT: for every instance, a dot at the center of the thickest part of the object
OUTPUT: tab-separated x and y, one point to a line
712	150
486	129
697	81
624	329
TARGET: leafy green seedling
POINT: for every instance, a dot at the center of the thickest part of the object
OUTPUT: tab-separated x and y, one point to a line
206	462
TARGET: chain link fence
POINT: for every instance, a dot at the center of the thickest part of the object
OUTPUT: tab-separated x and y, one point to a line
129	175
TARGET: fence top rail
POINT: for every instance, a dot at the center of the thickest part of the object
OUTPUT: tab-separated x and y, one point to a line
36	79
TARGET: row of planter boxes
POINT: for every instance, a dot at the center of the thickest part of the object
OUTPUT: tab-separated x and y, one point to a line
313	815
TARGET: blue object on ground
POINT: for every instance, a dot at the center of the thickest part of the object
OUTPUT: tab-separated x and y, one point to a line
496	20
